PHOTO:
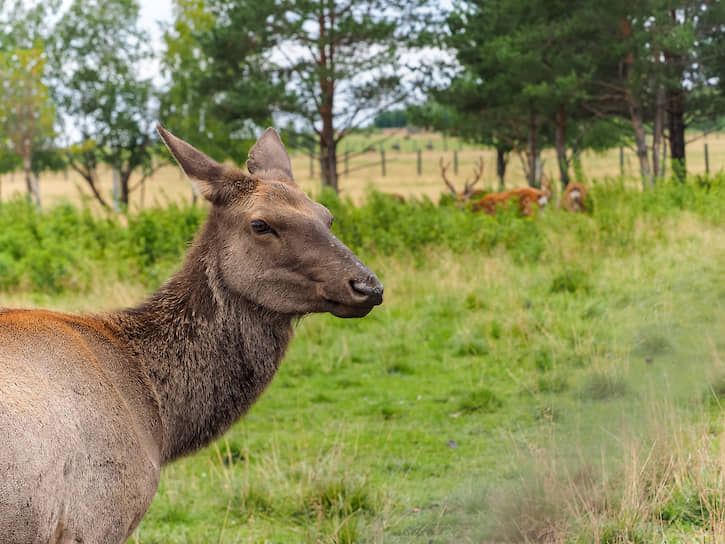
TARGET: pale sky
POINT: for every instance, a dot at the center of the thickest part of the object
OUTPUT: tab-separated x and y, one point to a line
153	12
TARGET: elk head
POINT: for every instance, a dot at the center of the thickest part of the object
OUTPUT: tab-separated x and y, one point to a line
268	242
468	190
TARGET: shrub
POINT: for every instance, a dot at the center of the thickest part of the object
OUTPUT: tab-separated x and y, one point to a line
64	247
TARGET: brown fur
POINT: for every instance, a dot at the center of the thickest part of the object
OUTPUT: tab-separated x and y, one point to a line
528	199
92	406
575	198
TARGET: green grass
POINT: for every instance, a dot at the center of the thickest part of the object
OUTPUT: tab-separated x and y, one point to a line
352	442
556	380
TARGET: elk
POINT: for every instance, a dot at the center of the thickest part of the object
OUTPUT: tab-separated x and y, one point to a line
575	198
529	199
468	192
91	406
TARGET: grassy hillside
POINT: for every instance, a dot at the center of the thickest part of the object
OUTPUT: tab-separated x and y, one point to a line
548	380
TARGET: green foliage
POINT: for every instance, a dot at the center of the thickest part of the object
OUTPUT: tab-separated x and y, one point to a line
570	281
479	400
96	63
388	226
391	119
65	247
603	385
9	161
336	64
26	113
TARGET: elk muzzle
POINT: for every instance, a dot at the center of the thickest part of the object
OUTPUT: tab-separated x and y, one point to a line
355	298
350	288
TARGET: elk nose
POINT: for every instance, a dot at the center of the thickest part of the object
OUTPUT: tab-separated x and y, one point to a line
371	289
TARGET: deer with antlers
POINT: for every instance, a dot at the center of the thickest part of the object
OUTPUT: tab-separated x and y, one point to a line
528	198
468	192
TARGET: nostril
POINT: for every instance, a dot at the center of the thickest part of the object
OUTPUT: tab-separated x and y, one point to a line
369	291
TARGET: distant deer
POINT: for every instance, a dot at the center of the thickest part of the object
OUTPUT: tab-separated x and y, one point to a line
468	193
575	198
529	199
92	406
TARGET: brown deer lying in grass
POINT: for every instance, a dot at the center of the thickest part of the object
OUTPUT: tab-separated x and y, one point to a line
529	199
92	406
575	198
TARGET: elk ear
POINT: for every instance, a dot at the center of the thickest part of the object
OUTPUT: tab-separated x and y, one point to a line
268	158
217	182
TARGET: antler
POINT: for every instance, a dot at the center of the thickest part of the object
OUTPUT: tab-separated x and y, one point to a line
477	173
445	179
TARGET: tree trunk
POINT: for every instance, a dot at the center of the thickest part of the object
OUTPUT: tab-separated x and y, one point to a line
561	145
328	163
676	126
28	177
533	150
325	62
115	189
36	188
657	131
88	174
640	139
501	161
676	103
125	177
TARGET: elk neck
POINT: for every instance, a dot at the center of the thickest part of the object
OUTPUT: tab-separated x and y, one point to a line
209	352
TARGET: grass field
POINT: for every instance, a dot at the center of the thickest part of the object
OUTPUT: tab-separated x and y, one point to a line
365	170
570	393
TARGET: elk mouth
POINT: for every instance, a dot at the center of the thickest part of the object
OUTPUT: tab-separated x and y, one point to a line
361	298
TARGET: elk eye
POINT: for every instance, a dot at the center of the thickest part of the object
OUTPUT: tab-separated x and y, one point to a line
260	227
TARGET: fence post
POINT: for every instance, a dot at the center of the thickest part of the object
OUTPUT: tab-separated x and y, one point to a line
312	162
621	160
455	162
707	161
347	162
420	162
445	143
382	157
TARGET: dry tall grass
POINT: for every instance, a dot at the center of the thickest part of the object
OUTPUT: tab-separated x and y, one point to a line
661	481
365	170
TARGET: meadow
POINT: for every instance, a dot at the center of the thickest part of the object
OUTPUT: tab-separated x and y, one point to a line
364	171
557	379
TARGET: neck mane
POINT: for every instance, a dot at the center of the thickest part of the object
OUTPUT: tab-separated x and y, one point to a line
208	352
